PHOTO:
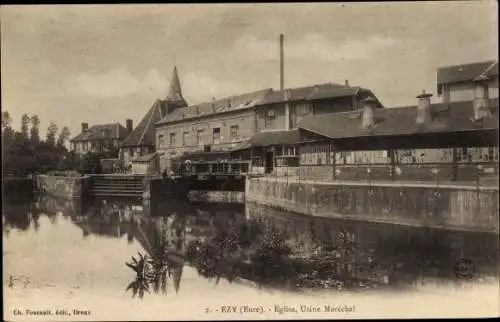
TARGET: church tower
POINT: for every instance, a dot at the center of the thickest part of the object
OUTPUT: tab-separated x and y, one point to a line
174	96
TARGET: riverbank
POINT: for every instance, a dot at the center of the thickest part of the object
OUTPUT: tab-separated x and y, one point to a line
448	206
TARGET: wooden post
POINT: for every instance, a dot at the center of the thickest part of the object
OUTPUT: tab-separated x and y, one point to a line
393	164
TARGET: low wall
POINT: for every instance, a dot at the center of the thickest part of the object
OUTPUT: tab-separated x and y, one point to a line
459	207
415	172
67	187
216	196
158	188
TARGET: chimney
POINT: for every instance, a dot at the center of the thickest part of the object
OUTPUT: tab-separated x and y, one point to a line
424	108
347	83
282	62
213	104
481	96
85	127
129	124
229	103
368	116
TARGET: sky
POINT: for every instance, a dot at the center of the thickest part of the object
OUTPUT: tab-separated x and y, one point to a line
103	64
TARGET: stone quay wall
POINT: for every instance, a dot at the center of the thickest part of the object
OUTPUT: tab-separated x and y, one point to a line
60	186
454	207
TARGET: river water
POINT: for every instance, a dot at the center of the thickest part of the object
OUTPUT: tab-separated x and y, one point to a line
125	259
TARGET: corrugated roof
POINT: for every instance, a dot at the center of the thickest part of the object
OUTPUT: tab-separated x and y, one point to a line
270	138
452	117
231	103
465	72
101	132
144	133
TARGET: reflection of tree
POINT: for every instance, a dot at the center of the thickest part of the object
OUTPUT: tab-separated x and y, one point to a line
162	238
143	276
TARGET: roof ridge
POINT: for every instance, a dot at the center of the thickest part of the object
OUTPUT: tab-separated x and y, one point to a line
465	64
231	96
488	68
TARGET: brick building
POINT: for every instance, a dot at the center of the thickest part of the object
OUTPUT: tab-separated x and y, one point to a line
263	122
141	142
100	137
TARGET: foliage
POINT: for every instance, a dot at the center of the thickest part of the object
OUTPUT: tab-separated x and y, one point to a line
35	130
51	133
63	136
25	154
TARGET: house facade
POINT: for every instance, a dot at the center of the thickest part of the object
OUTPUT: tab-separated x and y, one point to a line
100	138
460	82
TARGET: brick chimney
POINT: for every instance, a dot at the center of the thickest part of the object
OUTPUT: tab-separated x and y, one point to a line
368	114
347	83
85	126
481	97
129	123
424	108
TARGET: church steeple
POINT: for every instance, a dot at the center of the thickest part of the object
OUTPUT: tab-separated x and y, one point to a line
174	96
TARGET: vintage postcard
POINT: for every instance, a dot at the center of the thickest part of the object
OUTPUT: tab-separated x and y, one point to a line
250	161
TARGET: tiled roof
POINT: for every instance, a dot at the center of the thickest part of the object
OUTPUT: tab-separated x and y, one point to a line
265	97
315	92
242	101
465	72
144	133
102	131
270	138
452	117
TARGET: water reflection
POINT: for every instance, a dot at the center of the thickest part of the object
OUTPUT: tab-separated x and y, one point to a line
271	249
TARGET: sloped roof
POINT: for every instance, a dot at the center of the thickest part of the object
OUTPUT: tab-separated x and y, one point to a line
144	132
175	92
465	72
452	117
314	92
101	132
269	138
242	101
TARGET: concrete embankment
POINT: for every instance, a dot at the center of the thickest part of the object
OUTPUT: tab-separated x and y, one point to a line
456	207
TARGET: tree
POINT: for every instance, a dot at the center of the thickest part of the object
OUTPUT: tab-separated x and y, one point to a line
6	120
63	137
25	121
35	129
51	133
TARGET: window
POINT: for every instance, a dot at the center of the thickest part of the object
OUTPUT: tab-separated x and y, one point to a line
172	139
185	138
234	131
160	141
199	137
216	135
